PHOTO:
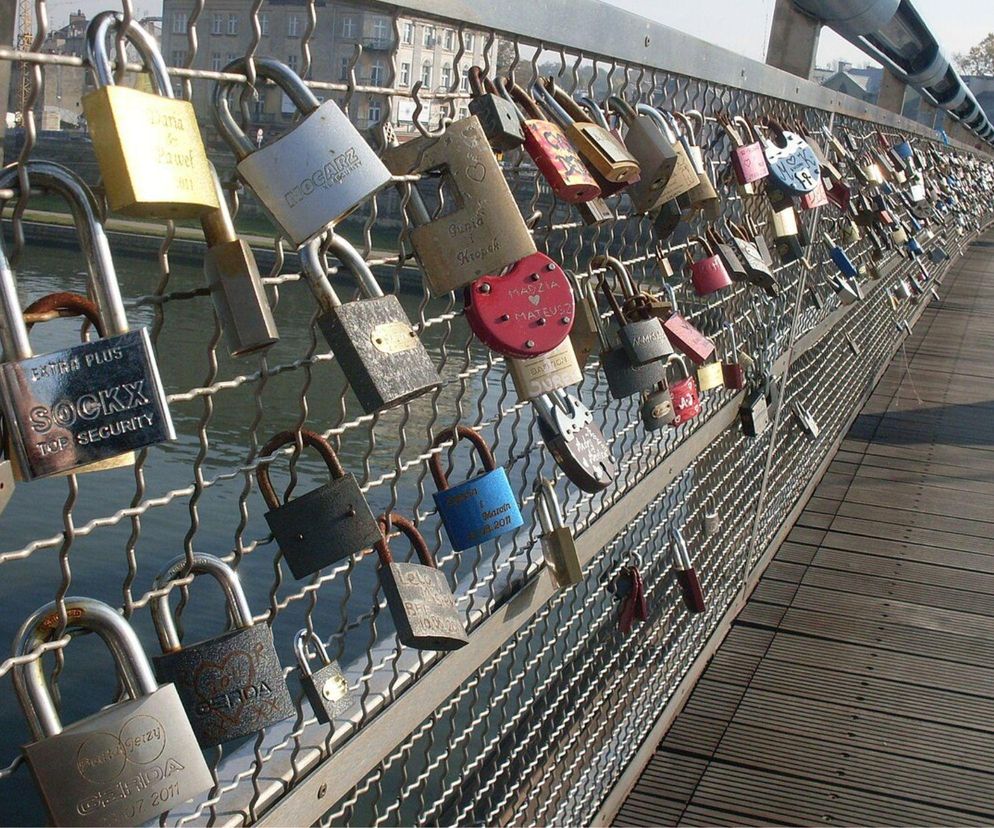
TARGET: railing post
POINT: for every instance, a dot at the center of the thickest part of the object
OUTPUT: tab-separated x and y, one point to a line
793	40
7	32
926	114
893	93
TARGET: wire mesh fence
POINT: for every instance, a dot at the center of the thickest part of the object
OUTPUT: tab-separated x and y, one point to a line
538	728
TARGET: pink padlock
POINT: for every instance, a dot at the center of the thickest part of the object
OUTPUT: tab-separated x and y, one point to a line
816	198
683	392
708	274
748	160
683	335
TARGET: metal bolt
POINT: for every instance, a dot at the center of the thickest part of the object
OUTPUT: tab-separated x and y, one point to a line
505	317
485	287
529	344
322	791
534	277
550	266
542	322
565	320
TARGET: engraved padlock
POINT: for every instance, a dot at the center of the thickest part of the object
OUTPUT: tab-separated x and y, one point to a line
478	509
754	253
326	688
657	408
708	274
640	334
379	351
684	336
748	161
148	146
683	176
732	369
551	371
558	544
231	685
325	525
90	403
585	110
791	162
498	117
703	197
485	232
727	254
124	764
683	392
235	283
314	174
710	375
575	443
418	595
523	312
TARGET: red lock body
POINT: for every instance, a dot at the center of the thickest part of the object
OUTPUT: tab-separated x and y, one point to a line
558	162
816	198
688	339
709	275
526	312
733	375
685	396
749	163
838	193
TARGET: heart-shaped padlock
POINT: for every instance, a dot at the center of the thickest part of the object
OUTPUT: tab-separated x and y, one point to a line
793	166
524	313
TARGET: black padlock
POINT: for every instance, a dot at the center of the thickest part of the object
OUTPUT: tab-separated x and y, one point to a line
326	688
754	412
499	117
418	595
657	408
644	340
231	685
328	524
576	444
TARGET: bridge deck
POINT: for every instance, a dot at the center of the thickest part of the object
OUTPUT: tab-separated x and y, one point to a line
857	685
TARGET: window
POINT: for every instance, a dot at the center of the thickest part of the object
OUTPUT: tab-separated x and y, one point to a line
343	75
232	24
216	61
232	56
468	38
348	27
426	74
381	31
293	25
264	23
375	111
180	20
376	73
429	36
446	76
405	74
217	24
408	33
450	37
464	83
178	57
291	61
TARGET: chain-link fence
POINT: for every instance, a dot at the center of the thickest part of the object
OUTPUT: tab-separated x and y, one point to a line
536	718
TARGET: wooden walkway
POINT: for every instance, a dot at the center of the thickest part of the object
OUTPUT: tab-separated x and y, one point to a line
857	685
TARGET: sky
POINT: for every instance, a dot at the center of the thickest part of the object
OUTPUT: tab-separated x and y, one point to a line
739	25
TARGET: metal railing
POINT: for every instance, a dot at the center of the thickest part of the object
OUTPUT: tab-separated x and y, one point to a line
538	717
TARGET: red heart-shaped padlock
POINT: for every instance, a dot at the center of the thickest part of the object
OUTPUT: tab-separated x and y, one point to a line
526	312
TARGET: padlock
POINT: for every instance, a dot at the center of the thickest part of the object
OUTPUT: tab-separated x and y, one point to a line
786	230
683	392
524	312
577	445
485	232
586	110
381	355
235	283
479	509
850	231
551	150
809	425
643	339
667	219
686	575
499	118
549	372
594	212
685	336
625	378
599	149
418	595
840	258
848	290
711	521
101	769
685	176
326	689
584	336
329	523
231	685
148	146
792	164
558	545
899	234
315	173
710	375
703	197
732	369
726	253
754	413
837	191
89	403
628	587
708	274
748	161
818	197
755	256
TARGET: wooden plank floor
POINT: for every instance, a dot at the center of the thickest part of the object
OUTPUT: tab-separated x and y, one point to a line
856	687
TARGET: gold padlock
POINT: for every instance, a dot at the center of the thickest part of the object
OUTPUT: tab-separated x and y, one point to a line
710	376
148	147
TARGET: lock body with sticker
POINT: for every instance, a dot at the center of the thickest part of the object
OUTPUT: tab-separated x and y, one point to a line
94	771
577	445
231	685
792	164
299	181
418	595
325	525
479	509
148	146
558	544
326	687
379	351
54	427
684	393
551	371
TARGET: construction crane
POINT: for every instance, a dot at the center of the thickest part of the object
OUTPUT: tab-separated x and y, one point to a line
25	37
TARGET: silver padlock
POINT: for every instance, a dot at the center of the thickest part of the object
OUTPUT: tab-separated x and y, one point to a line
310	177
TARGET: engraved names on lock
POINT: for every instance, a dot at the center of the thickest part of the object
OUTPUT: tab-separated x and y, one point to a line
429	606
393	337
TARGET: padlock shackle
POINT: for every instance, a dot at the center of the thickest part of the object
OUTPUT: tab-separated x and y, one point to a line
550	515
706	241
455	434
203	564
95	52
346	253
63	304
395	520
679	360
620	271
103	285
314	269
689	117
476	82
30	682
217	224
13	330
289	438
622	108
728	124
548	102
659	118
572	108
596	114
266	68
523	99
679	550
301	640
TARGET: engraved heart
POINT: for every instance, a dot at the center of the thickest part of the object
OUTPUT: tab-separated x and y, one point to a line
535	299
477	172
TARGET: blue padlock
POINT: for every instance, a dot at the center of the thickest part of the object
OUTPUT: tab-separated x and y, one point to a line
914	248
904	149
479	509
841	259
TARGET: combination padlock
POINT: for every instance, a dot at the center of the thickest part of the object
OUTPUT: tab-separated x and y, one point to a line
479	509
422	605
558	545
328	524
231	685
326	688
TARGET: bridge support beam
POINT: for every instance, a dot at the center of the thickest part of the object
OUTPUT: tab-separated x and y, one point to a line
793	40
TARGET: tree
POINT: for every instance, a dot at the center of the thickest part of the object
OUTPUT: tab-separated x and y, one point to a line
980	59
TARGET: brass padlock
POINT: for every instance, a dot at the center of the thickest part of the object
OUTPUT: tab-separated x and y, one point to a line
547	372
151	155
558	545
